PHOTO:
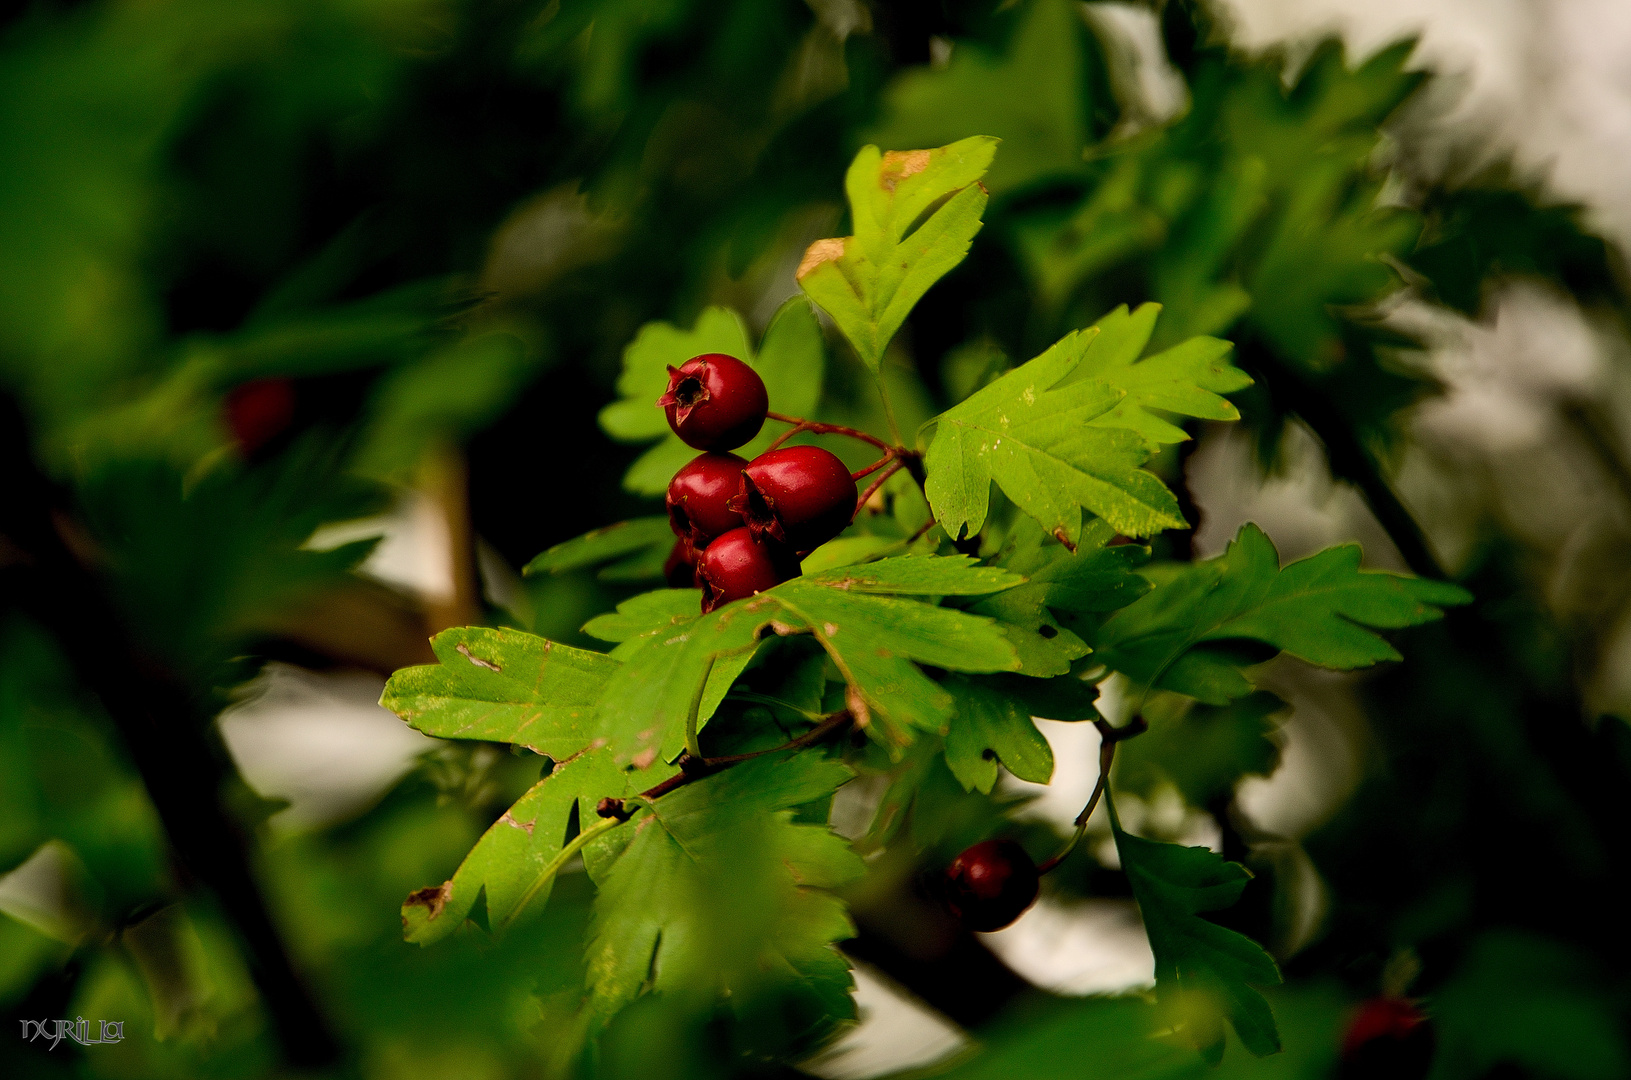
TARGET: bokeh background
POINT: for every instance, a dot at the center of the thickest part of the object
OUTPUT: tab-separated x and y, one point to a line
307	311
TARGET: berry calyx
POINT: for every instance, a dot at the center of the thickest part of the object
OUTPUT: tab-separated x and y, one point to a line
680	568
801	496
698	497
991	884
257	411
1387	1037
738	564
715	402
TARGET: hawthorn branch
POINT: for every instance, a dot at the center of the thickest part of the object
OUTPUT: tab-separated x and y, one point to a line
1108	738
872	489
694	768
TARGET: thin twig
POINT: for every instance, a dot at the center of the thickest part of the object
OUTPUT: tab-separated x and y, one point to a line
817	428
874	467
872	490
1108	738
693	769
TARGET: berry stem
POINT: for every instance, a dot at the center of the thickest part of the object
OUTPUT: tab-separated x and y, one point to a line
815	427
874	467
872	489
1108	738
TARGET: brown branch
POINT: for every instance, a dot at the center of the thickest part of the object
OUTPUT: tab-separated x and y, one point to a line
693	769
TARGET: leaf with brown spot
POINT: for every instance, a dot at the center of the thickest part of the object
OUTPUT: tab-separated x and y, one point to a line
503	686
511	861
915	212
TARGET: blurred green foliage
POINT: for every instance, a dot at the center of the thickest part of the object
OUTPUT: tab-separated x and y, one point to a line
444	221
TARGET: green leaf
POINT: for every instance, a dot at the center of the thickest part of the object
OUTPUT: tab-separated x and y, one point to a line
720	893
513	865
1037	443
991	726
644	616
869	282
611	544
1049	1038
645	703
503	686
874	641
1033	97
1195	958
920	575
791	359
1318	609
1185	379
847	551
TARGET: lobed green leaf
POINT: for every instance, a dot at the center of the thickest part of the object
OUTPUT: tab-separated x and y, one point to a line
869	282
503	686
1320	609
1211	966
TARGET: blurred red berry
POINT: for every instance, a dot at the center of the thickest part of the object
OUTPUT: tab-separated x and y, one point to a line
258	411
1390	1038
991	884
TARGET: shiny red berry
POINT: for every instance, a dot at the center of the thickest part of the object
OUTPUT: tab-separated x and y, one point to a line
256	412
800	495
1387	1037
737	564
680	568
991	884
715	402
698	494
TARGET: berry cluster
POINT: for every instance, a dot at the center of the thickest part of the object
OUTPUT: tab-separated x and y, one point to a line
743	525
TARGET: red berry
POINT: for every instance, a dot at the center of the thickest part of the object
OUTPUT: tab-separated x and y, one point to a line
698	494
737	565
991	884
800	495
257	411
1388	1037
715	402
680	568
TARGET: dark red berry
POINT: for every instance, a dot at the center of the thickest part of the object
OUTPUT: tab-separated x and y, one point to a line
680	568
698	494
258	411
991	884
800	495
715	402
1387	1037
737	564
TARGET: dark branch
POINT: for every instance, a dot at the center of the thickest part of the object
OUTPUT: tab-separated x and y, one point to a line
163	724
